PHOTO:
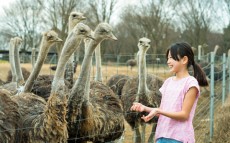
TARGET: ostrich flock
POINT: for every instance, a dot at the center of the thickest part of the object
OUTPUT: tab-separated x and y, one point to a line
37	108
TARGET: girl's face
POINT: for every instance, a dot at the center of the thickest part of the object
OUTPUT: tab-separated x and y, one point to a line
174	66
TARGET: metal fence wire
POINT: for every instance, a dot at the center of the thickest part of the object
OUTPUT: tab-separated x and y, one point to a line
211	120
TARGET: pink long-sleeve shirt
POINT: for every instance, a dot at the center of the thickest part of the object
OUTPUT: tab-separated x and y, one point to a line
173	93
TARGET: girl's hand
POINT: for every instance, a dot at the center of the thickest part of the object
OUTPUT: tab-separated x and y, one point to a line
137	107
151	114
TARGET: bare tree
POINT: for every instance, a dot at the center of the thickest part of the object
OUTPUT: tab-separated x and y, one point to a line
101	11
195	17
21	20
57	14
151	19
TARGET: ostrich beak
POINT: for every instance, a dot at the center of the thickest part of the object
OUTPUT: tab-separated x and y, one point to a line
59	40
113	37
83	18
90	36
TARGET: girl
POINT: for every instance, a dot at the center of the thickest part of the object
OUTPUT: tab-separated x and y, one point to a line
179	97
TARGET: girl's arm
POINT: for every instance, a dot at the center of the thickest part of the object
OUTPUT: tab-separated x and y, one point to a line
188	103
182	115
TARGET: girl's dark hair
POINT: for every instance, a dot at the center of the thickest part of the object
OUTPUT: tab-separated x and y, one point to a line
179	50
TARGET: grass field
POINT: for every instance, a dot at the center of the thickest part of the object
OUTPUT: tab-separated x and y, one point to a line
201	127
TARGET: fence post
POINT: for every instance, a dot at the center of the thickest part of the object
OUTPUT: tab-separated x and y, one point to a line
33	58
224	79
212	96
118	60
229	71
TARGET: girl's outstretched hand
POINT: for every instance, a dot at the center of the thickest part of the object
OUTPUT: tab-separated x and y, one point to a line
137	107
151	114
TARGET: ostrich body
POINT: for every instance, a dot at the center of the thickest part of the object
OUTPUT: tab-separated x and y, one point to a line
94	112
143	89
116	83
74	19
131	63
25	74
9	117
46	121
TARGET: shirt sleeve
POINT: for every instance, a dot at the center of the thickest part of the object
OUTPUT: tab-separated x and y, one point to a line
192	82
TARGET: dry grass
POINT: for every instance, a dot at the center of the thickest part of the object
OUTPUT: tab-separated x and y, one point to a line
108	71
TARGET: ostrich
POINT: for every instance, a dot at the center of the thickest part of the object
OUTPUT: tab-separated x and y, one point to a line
46	121
12	86
207	67
19	78
98	76
25	74
53	68
131	63
143	89
74	19
116	83
49	38
21	73
94	112
9	117
42	85
11	60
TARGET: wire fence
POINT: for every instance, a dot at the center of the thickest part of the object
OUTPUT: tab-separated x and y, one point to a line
209	106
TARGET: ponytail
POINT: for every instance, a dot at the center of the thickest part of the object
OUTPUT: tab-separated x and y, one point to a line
199	75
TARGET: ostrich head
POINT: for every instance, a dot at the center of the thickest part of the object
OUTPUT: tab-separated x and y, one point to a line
17	41
104	31
144	44
82	31
50	37
75	18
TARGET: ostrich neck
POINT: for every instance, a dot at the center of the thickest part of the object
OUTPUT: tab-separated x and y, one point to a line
81	87
19	77
38	65
11	59
98	63
69	47
142	87
70	63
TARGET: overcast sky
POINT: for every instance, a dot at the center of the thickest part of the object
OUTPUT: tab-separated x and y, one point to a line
4	3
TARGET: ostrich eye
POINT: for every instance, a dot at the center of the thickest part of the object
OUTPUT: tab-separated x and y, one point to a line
50	37
149	43
74	15
82	30
140	42
103	31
